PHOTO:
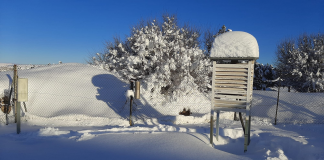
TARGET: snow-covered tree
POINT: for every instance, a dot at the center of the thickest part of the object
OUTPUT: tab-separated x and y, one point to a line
263	74
167	57
221	31
300	63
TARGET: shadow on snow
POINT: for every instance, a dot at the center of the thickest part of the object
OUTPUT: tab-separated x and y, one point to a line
112	91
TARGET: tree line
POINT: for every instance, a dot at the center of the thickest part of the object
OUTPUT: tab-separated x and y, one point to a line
173	60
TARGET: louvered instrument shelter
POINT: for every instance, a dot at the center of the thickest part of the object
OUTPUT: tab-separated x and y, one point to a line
233	55
232	86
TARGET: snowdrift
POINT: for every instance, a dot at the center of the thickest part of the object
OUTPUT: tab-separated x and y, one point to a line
66	89
77	91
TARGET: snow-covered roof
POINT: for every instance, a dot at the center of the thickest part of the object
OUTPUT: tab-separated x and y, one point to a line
235	45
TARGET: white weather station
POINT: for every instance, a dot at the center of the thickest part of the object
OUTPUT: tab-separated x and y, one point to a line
233	55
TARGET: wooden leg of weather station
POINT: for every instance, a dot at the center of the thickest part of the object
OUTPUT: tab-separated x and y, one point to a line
211	127
217	125
242	123
247	132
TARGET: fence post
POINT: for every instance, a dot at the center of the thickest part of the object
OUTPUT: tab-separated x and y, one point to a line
18	117
15	80
277	102
130	111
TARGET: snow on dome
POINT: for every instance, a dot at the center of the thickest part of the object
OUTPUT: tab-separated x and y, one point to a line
235	44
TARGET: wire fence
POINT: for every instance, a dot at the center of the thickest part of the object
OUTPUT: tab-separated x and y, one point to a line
71	91
293	107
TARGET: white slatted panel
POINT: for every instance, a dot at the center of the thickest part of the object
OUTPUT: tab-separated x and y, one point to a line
232	86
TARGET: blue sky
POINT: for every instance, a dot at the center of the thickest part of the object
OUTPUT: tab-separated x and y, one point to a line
48	31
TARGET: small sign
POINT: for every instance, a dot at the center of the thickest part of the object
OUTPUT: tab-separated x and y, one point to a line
22	89
137	90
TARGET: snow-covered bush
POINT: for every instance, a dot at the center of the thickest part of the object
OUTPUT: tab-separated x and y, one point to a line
167	58
262	75
300	63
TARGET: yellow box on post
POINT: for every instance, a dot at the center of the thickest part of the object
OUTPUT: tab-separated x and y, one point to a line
22	97
22	89
137	90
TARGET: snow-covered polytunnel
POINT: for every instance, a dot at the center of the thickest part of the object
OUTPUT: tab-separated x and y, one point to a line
233	55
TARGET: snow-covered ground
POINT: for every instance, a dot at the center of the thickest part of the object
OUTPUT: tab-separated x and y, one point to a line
77	111
293	107
154	140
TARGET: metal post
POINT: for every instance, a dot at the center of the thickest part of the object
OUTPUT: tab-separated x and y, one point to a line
242	123
130	111
246	133
217	125
15	79
277	102
131	85
6	109
18	118
249	130
211	127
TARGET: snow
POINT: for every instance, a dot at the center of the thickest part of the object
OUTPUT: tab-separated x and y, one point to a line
129	93
68	118
235	44
6	64
160	141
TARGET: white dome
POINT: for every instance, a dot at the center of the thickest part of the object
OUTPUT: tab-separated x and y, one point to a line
235	44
